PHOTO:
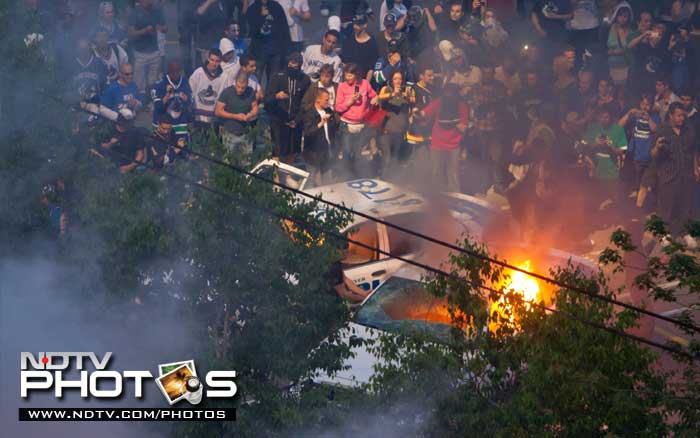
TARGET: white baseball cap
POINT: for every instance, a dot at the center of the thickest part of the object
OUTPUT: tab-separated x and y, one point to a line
334	23
446	49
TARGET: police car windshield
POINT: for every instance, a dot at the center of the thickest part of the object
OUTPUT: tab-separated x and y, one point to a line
402	304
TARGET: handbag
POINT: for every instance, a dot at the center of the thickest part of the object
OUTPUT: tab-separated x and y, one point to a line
375	117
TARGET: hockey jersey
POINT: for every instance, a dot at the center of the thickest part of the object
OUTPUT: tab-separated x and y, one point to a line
117	56
314	59
178	106
117	96
205	92
88	79
383	71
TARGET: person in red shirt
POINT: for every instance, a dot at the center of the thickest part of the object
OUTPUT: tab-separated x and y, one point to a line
450	118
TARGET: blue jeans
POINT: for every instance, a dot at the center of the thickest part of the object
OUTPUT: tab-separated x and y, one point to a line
351	148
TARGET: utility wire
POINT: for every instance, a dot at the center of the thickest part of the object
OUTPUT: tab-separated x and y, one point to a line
451	246
306	224
576	289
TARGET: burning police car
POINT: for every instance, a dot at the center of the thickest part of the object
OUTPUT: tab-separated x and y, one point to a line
447	217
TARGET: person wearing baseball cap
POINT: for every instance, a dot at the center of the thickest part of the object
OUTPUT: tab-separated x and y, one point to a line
470	41
360	48
389	33
392	62
398	12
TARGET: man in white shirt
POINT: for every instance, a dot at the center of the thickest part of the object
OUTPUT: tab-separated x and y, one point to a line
296	11
111	55
317	55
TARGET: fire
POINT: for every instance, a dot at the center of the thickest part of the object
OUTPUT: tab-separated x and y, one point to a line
523	285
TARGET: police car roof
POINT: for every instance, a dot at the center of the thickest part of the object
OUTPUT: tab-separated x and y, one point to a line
371	196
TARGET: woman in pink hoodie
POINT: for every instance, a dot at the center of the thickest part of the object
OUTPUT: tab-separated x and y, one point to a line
352	102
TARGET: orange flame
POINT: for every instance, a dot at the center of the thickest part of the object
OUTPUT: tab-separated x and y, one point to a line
520	283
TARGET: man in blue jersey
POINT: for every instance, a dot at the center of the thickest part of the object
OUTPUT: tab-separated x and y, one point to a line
172	96
123	93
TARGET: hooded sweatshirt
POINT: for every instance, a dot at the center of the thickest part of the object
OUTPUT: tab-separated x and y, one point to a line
205	92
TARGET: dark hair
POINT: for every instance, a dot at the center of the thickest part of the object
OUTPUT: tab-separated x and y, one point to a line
423	68
454	3
663	79
215	52
686	91
165	118
673	107
333	32
647	97
353	69
326	68
245	60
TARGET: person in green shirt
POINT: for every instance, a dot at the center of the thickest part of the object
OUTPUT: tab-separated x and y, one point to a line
607	144
620	56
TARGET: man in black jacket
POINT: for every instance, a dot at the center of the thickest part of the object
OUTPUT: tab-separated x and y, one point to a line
269	36
283	103
319	130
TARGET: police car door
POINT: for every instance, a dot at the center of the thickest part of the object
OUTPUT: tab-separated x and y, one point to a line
367	268
282	173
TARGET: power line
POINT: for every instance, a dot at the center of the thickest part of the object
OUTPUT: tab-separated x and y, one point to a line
451	246
504	264
306	224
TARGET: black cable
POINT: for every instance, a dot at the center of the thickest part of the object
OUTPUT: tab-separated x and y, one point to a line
306	224
431	239
436	241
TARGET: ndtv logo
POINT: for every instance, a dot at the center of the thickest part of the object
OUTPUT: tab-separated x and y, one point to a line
45	371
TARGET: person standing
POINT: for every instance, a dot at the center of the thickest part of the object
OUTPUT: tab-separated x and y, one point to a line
360	48
172	95
112	55
352	103
123	93
89	75
206	83
450	21
320	54
296	11
641	123
419	130
269	36
620	56
675	158
106	21
450	117
211	16
144	24
237	106
319	134
396	99
325	82
283	103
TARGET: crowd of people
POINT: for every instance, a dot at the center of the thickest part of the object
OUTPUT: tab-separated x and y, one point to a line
577	105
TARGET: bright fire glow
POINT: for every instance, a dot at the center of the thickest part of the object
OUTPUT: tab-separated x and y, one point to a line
523	285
